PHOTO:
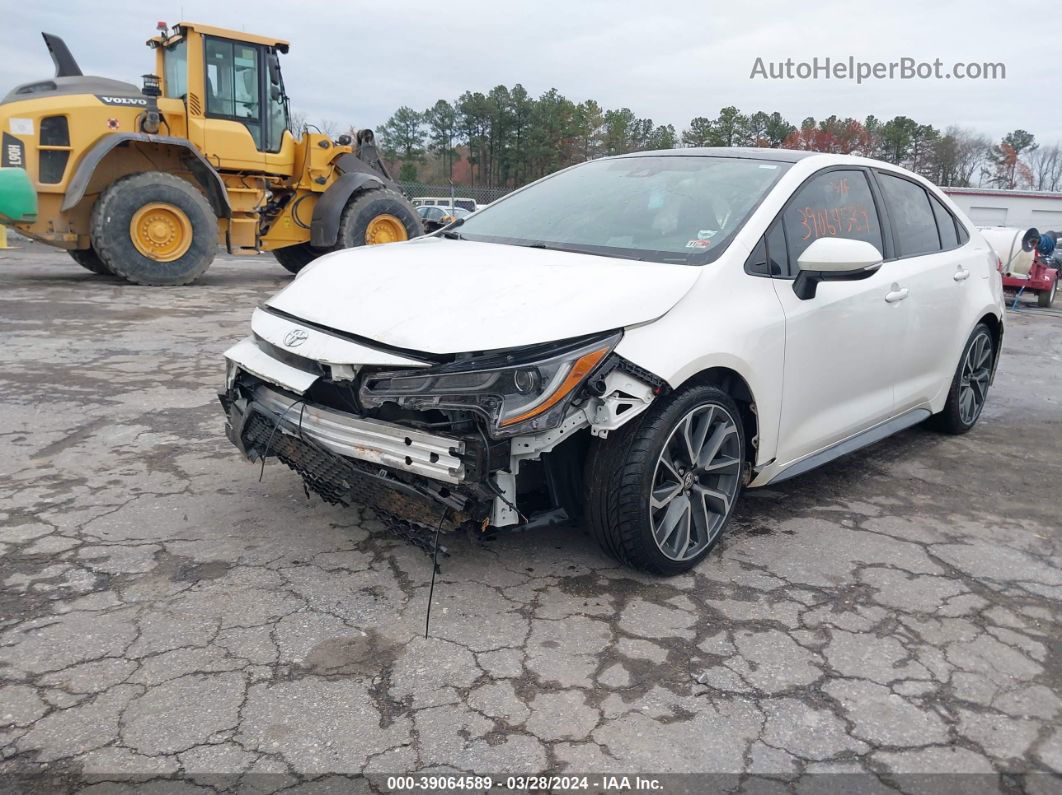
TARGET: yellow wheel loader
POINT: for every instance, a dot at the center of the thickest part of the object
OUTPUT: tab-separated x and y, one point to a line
145	183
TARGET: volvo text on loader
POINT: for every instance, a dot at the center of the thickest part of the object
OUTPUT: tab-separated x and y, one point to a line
145	183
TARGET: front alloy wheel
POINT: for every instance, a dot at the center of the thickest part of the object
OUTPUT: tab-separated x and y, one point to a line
697	478
661	489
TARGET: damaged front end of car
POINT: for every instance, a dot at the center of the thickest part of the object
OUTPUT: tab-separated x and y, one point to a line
493	439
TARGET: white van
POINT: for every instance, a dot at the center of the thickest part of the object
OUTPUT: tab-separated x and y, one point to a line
444	201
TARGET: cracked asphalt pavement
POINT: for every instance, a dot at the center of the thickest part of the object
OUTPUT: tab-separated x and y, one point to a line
164	612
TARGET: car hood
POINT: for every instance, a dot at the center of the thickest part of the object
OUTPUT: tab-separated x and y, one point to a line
451	296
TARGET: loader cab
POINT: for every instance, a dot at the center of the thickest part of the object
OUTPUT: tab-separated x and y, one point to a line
233	90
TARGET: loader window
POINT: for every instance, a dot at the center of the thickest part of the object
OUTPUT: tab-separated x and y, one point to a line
175	61
276	104
233	73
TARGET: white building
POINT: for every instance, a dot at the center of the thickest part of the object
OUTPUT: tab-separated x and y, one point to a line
1017	208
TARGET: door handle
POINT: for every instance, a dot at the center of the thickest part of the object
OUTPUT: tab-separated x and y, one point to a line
961	274
896	295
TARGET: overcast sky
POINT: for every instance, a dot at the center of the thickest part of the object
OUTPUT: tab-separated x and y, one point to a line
355	62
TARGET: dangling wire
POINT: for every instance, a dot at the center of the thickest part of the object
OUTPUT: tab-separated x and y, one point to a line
434	569
276	425
302	411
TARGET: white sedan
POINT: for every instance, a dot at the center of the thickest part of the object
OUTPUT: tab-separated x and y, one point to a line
629	342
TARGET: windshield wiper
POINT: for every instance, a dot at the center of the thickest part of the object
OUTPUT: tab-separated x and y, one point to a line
447	230
577	250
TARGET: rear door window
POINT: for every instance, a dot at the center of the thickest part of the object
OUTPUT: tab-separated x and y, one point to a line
913	221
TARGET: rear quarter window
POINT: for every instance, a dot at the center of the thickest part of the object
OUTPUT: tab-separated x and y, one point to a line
946	224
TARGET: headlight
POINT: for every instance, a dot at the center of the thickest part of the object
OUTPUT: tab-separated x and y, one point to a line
517	392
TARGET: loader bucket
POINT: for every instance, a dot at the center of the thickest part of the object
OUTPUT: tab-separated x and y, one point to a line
18	199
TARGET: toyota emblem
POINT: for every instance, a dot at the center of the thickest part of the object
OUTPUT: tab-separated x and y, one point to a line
295	337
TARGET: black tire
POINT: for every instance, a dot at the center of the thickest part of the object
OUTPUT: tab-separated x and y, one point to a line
369	205
88	259
954	419
1045	298
621	472
114	211
295	258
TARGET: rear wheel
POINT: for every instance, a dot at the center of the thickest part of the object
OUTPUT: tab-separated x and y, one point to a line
378	216
154	229
295	258
88	259
1047	297
661	490
969	386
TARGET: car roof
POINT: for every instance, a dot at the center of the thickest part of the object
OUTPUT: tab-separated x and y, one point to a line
746	152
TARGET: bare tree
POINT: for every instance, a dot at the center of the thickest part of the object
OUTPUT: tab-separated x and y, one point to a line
970	156
957	156
297	123
1045	164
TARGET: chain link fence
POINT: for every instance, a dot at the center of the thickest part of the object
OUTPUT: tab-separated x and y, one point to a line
479	194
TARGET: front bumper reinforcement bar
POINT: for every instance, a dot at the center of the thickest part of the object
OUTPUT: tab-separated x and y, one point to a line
259	432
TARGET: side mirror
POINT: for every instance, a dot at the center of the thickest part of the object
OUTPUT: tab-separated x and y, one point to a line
273	64
834	259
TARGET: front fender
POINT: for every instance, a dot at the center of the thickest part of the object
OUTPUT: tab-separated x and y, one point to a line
204	173
324	227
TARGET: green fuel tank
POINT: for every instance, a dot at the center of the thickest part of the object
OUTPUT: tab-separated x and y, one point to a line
18	199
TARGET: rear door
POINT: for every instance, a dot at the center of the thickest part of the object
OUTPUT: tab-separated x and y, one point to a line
930	266
840	350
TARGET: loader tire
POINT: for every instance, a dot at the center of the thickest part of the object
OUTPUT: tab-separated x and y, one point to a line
378	216
295	258
154	229
88	259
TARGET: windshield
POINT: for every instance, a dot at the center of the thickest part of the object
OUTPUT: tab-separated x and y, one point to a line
659	208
